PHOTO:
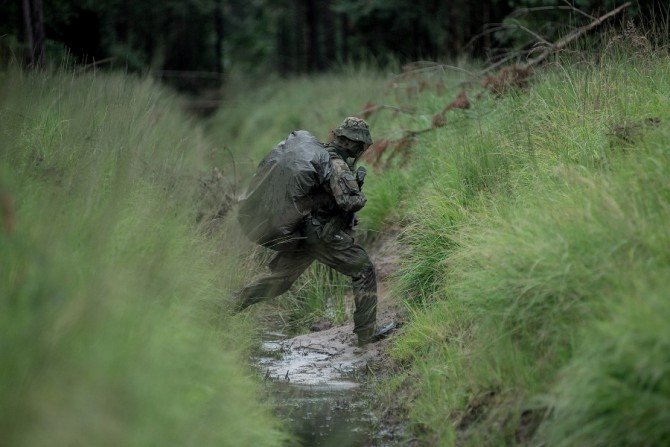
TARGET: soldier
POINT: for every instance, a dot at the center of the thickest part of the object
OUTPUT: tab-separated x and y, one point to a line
325	234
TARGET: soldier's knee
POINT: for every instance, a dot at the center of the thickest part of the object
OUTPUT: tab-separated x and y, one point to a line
366	272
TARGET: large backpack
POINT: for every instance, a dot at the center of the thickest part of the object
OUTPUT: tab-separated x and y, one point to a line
281	192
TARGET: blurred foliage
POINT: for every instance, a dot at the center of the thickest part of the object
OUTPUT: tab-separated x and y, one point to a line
191	42
115	313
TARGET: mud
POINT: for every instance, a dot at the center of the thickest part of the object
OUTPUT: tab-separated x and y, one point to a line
317	382
327	358
314	381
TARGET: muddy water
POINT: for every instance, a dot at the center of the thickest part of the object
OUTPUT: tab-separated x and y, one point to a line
315	384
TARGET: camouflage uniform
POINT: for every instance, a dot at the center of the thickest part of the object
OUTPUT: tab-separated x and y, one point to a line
326	236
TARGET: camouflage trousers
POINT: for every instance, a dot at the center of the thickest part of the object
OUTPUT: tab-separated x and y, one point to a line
337	250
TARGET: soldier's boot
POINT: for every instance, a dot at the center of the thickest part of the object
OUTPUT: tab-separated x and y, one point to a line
268	286
241	302
373	335
265	287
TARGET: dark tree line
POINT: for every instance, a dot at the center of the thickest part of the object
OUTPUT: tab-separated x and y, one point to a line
206	37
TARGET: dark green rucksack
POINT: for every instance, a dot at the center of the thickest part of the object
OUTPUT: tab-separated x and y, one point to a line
281	193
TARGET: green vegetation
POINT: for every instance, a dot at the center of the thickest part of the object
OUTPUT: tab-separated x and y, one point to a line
114	326
537	237
319	294
536	272
538	261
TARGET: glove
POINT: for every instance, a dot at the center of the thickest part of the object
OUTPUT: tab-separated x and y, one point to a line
353	221
360	176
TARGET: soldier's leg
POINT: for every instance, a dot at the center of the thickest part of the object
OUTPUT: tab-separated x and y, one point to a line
341	253
285	268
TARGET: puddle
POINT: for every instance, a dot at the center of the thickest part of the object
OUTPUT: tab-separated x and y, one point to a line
323	416
315	383
311	364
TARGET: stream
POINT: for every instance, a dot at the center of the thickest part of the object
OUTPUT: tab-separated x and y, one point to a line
315	384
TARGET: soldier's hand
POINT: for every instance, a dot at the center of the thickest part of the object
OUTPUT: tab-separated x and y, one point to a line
360	175
353	221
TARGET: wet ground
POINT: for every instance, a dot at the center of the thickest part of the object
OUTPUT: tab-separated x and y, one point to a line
324	415
315	381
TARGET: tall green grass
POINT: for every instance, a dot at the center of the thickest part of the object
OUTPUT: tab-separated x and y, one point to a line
320	293
115	328
616	390
538	251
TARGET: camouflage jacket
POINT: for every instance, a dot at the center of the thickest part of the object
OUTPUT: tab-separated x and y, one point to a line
341	196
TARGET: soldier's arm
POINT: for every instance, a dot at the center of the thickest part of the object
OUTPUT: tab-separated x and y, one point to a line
344	187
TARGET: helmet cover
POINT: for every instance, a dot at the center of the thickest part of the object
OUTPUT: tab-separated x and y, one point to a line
354	129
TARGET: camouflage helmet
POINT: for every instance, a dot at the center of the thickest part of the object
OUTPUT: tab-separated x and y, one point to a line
354	129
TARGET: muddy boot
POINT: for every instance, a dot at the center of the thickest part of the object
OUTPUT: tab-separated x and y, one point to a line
374	335
241	302
239	306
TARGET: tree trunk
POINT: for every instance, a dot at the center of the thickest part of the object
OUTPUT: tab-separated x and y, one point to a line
219	27
344	38
284	44
486	19
312	36
28	23
38	29
298	30
330	35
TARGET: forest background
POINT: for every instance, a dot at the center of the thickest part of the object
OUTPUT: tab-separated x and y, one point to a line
193	43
